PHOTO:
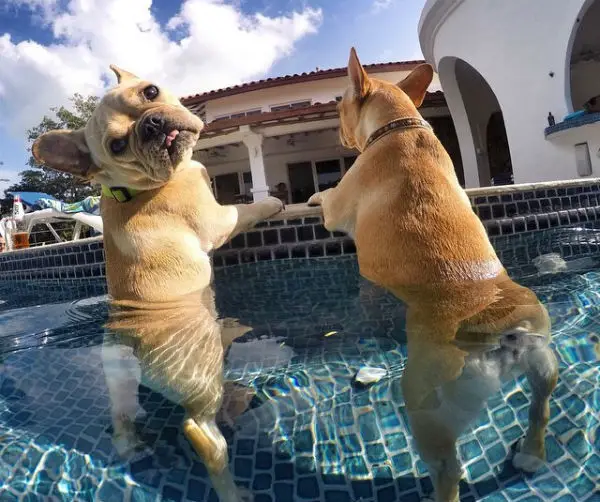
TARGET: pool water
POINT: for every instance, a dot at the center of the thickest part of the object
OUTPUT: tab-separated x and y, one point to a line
310	433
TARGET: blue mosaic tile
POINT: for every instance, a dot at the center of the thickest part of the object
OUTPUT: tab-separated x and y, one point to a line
304	441
496	453
308	488
337	496
470	450
387	494
567	498
243	467
581	486
171	494
562	425
495	497
411	497
262	482
376	453
305	465
263	497
284	472
283	491
7	496
311	391
486	487
578	446
478	469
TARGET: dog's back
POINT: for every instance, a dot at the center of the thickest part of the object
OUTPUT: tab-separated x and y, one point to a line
417	235
412	205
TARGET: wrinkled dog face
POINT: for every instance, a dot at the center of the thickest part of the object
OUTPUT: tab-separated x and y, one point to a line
137	137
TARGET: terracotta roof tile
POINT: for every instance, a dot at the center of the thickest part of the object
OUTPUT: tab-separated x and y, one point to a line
295	78
316	111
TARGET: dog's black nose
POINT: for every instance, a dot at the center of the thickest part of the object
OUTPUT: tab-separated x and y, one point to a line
153	126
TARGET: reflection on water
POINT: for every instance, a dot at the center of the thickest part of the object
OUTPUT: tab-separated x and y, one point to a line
464	341
179	348
85	416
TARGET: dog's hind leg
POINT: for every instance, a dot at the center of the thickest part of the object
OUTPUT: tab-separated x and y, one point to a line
122	374
209	443
436	445
541	369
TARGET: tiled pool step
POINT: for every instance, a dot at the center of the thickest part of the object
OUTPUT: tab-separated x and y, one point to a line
299	232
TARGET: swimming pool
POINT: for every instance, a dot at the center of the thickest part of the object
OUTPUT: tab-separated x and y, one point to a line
311	434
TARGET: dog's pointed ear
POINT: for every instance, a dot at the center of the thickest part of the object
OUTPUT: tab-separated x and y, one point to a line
122	75
417	83
65	151
359	80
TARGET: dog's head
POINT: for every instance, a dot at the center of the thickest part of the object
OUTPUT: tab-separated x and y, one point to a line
137	137
401	99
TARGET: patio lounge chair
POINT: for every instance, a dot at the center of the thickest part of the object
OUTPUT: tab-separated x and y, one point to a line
41	208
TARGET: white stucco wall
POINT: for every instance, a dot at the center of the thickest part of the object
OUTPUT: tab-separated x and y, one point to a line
589	134
319	91
514	45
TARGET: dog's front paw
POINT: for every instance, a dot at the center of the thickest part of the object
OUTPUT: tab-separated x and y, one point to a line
273	206
315	200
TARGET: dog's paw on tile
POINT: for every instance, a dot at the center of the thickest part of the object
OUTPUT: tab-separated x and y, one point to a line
525	461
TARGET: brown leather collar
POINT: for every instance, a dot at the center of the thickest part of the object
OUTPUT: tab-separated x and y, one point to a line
405	123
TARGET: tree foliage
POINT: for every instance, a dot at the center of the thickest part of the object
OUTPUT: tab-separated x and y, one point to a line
43	179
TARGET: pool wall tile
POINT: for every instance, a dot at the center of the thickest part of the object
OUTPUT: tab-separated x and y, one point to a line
503	211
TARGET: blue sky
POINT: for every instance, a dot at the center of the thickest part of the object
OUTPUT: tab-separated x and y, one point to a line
52	48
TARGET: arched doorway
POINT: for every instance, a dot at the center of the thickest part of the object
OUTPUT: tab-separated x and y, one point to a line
477	114
498	152
584	57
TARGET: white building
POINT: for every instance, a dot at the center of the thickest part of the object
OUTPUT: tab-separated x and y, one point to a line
504	66
280	135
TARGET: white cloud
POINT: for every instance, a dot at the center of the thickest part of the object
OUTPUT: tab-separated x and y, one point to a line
207	45
379	5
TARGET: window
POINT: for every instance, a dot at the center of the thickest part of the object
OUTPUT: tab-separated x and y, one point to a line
306	178
239	115
328	173
227	187
291	106
582	159
280	108
348	161
247	182
233	188
302	184
300	104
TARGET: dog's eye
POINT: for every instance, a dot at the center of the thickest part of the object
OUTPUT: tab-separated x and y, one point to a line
150	92
118	145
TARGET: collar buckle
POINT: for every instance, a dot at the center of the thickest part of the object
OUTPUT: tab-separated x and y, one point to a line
121	194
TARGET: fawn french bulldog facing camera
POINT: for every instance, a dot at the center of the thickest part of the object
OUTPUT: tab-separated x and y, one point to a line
160	220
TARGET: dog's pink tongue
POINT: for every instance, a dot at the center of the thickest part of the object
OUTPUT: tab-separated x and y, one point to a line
171	137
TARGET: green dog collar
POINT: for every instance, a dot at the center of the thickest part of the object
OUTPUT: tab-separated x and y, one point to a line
120	194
